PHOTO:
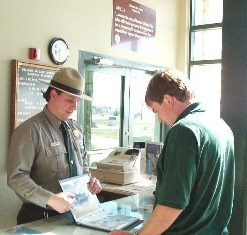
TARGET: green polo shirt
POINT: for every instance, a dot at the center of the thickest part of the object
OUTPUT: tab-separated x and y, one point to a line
195	173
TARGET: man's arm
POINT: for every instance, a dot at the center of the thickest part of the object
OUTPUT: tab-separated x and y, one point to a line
160	220
20	159
21	156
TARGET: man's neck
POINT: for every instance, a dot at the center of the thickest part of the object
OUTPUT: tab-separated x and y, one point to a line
181	106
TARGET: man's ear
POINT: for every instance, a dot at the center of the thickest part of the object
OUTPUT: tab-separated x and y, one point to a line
53	94
169	100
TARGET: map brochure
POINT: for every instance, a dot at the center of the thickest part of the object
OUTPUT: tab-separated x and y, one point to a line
87	210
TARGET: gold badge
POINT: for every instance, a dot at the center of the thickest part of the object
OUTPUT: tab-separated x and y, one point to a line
76	133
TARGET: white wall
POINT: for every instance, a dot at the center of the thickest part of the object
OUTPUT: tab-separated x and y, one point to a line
85	25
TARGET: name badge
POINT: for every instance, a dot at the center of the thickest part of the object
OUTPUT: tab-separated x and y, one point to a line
55	144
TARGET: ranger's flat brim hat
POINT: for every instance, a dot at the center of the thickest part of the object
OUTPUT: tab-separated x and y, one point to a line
68	80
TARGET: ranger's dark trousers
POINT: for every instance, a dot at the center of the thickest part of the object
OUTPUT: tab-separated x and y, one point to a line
30	212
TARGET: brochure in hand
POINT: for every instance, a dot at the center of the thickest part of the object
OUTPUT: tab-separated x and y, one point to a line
87	211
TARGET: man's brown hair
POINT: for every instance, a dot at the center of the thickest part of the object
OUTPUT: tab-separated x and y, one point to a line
170	82
46	94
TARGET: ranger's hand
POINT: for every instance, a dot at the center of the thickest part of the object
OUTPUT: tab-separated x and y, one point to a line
94	185
61	202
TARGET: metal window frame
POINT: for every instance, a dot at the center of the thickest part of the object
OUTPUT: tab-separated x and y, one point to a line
196	28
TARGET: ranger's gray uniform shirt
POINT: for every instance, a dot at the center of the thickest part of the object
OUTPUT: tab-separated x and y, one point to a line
37	157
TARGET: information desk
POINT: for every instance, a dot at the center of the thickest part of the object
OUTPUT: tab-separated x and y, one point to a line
113	191
139	205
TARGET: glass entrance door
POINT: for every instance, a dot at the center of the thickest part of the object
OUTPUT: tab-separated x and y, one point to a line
142	119
102	115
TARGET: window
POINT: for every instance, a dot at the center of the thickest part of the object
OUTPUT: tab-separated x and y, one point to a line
207	11
207	79
143	124
104	111
205	51
118	114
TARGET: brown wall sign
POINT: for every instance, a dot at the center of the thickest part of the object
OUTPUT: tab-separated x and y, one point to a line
133	25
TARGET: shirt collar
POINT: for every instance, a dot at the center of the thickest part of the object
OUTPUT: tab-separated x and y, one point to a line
192	108
55	122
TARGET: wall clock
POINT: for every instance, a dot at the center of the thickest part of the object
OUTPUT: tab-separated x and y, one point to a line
58	50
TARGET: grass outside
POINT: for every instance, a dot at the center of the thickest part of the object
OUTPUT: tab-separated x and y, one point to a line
141	130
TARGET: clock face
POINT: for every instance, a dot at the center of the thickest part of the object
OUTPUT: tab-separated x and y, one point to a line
58	51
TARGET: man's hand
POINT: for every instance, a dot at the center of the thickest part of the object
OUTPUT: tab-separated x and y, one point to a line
61	202
120	232
94	185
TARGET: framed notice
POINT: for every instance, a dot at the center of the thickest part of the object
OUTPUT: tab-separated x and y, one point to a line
133	26
27	98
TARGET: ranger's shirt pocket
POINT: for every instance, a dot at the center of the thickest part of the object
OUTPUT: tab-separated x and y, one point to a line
55	150
79	146
56	157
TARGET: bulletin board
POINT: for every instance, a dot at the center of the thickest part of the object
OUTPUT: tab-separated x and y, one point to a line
27	98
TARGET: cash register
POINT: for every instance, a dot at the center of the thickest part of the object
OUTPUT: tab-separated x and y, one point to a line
122	166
